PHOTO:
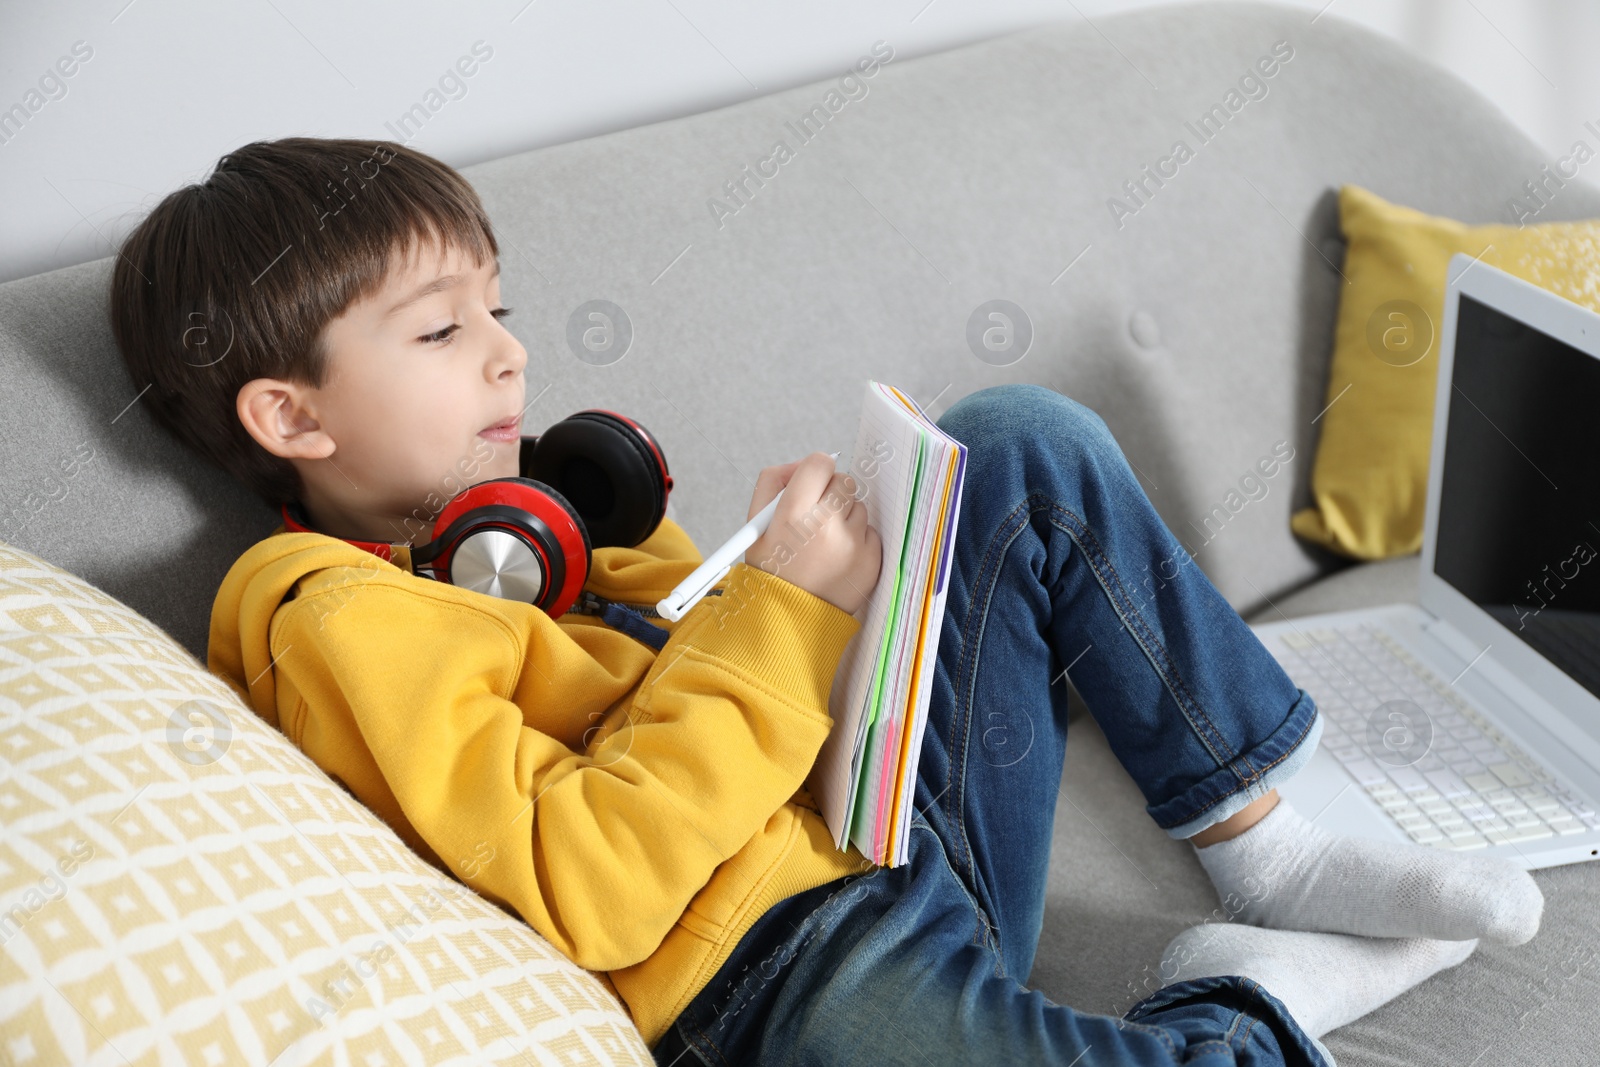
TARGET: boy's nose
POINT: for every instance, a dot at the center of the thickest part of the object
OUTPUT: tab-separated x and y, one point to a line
509	360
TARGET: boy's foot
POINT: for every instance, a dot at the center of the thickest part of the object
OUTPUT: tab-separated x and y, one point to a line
1325	980
1289	874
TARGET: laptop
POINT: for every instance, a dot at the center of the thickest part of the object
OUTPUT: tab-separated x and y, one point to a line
1472	722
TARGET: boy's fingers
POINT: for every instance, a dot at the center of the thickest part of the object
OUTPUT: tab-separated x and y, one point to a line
840	499
809	480
769	483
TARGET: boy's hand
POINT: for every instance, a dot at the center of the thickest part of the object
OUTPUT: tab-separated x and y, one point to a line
819	537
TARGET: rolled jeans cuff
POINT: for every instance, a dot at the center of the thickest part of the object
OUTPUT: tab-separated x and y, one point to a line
1296	735
1235	993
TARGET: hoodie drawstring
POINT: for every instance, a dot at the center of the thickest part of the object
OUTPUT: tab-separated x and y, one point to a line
628	618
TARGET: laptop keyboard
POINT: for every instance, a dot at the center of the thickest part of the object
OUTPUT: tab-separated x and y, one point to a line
1441	771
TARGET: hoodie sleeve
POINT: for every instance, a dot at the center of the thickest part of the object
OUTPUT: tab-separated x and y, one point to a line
429	704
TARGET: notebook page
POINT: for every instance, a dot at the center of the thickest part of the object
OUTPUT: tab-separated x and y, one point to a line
904	790
954	511
886	445
888	695
917	648
956	456
925	685
896	761
879	696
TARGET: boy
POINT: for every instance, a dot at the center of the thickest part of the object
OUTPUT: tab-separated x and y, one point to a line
646	811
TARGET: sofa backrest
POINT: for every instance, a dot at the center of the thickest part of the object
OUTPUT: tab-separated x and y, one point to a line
763	286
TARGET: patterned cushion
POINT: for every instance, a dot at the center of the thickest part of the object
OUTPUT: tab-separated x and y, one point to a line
180	882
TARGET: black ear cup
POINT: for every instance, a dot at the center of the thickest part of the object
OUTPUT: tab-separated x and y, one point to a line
611	470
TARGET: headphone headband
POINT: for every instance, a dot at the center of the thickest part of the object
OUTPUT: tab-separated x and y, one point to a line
295	520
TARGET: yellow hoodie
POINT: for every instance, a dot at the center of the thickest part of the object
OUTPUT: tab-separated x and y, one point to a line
640	810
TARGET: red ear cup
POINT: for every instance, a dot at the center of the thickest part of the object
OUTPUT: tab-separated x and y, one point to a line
610	468
515	538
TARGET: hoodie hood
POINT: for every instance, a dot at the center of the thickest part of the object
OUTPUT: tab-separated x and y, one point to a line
239	647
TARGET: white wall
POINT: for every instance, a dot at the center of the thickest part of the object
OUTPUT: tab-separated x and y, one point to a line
171	85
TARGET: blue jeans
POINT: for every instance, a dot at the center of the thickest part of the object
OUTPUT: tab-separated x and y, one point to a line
1060	563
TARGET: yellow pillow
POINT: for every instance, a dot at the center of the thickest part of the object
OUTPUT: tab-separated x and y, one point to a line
181	884
1369	480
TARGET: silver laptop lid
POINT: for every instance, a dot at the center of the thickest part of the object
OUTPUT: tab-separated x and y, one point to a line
1511	541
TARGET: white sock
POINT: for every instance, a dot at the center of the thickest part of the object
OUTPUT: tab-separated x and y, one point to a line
1287	873
1325	980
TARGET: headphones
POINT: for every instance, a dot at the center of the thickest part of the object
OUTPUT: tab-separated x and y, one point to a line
593	480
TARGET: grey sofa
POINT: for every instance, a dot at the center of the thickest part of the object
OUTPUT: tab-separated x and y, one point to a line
1198	324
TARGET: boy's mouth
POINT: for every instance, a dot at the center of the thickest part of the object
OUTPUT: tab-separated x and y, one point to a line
505	430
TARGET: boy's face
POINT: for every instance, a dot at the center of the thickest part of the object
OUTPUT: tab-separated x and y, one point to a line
416	378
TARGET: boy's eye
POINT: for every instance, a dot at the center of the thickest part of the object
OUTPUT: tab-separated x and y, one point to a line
443	336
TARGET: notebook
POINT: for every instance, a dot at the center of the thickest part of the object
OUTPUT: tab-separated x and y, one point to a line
910	474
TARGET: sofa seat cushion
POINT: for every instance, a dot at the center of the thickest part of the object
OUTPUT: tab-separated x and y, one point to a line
1361	585
180	882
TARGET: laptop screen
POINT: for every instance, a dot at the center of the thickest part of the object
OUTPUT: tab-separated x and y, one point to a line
1519	499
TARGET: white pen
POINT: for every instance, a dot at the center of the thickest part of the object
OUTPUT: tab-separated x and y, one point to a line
719	563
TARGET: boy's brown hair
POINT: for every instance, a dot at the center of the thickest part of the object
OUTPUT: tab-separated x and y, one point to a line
236	277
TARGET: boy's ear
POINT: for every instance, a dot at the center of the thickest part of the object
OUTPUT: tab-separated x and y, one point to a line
275	414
